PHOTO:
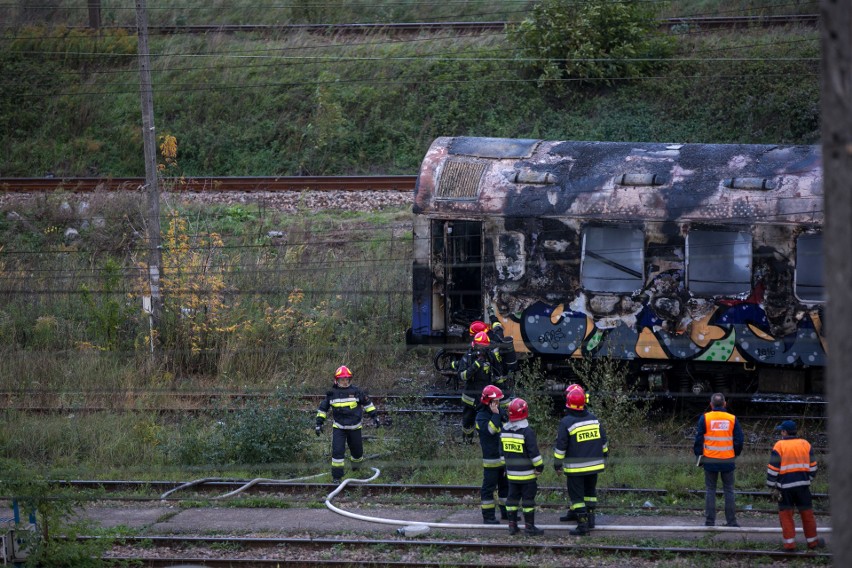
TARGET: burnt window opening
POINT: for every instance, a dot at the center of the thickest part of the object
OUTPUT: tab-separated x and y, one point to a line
718	263
457	265
810	286
613	260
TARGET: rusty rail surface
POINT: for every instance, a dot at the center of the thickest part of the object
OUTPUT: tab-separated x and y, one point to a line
214	184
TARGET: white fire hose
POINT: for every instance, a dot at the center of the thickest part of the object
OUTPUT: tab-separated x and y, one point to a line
413	528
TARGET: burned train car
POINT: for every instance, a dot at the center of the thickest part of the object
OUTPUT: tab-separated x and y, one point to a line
700	265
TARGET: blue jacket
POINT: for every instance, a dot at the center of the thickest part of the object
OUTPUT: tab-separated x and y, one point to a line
698	447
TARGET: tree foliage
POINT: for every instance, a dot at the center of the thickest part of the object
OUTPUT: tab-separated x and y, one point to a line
591	43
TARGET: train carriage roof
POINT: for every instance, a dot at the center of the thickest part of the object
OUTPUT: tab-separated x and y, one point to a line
749	183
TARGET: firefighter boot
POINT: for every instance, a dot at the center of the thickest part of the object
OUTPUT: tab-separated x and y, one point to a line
568	517
591	519
488	517
504	516
513	522
531	529
582	525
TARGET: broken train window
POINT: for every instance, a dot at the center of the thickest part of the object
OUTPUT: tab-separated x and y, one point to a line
810	286
718	263
613	259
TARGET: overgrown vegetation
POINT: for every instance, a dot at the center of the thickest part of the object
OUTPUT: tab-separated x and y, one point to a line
48	529
297	103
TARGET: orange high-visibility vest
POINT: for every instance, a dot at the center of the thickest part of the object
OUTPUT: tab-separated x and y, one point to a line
796	466
719	435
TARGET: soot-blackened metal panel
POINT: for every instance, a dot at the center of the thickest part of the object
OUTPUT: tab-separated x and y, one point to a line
497	148
584	181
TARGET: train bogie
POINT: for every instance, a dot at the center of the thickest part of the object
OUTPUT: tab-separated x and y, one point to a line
699	265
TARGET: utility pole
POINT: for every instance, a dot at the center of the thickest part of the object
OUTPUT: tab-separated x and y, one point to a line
94	14
836	114
149	140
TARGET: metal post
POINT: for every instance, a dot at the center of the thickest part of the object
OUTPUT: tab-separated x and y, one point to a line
836	89
155	258
94	14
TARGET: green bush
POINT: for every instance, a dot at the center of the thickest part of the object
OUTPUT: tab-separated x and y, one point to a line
54	541
616	402
249	436
598	42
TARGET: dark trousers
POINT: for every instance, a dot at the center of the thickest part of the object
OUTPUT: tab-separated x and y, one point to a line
523	494
339	440
582	491
799	497
493	478
710	480
468	418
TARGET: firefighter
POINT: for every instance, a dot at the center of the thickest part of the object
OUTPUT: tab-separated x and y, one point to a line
489	423
571	515
523	466
347	403
718	441
791	469
476	370
580	453
504	347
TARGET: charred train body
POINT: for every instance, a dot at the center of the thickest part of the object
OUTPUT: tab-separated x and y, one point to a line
698	264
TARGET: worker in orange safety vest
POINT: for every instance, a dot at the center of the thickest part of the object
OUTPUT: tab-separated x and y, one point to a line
718	441
791	469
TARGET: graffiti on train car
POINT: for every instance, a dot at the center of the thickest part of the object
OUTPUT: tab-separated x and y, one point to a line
733	333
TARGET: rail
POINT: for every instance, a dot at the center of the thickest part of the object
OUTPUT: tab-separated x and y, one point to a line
715	22
213	184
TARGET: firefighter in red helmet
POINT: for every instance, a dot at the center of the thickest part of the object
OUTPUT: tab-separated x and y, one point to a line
478	326
489	423
476	369
347	403
580	453
523	466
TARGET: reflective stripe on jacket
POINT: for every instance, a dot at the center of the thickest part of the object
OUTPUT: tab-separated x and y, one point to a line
347	405
520	450
581	444
489	425
791	464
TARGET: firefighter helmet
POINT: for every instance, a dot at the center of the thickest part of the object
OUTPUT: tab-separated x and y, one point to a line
480	340
518	410
575	398
477	326
490	393
342	372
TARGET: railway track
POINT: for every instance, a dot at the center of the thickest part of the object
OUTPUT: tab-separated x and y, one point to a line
221	486
710	22
243	551
213	184
206	536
